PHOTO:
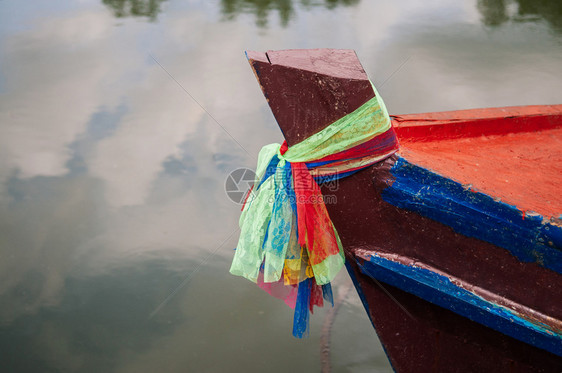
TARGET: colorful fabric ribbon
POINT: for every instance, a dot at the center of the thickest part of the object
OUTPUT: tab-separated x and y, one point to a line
288	244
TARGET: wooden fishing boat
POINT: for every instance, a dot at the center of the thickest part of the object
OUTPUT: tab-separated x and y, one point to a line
454	243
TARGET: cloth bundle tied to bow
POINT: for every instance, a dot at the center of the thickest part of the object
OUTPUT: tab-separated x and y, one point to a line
288	244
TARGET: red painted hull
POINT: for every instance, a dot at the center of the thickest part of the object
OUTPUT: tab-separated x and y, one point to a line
510	153
418	335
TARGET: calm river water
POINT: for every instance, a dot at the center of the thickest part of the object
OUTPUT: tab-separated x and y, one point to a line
116	234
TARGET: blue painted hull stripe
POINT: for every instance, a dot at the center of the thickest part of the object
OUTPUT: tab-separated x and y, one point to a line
439	290
475	214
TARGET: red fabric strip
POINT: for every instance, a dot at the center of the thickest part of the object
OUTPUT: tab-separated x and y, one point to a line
316	297
380	144
314	225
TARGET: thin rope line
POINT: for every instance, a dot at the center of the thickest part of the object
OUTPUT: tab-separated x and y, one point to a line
395	71
198	103
394	299
325	338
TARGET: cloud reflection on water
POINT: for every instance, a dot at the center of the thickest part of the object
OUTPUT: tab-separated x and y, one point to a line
89	139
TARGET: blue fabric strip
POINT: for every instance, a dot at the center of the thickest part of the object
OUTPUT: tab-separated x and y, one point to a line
327	178
300	320
327	293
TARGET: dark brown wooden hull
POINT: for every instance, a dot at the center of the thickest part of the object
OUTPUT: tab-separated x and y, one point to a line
306	91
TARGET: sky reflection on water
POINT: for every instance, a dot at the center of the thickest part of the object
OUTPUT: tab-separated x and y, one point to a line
111	176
